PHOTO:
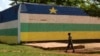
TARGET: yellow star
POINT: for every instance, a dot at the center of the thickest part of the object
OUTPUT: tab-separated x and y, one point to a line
53	10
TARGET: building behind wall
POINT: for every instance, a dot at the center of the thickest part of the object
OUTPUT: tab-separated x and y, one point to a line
35	22
9	25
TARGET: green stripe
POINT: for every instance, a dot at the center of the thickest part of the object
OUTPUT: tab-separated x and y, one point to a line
9	32
40	27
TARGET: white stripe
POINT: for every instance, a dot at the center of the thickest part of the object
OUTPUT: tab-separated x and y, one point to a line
46	18
8	25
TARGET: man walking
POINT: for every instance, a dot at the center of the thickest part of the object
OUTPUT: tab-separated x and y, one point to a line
70	43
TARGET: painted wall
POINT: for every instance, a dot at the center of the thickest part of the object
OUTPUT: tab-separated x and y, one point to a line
45	9
9	25
43	27
45	23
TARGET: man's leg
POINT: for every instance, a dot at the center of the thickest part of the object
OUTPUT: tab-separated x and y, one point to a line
72	47
68	46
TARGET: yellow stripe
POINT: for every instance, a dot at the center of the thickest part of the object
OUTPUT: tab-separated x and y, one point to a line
42	36
9	39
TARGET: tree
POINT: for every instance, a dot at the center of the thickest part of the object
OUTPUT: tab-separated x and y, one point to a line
14	2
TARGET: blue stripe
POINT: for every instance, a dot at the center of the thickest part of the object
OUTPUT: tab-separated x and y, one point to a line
9	14
44	9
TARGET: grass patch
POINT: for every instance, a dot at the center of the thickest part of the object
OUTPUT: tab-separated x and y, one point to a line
20	50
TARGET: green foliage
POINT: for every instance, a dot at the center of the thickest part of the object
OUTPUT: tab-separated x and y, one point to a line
92	7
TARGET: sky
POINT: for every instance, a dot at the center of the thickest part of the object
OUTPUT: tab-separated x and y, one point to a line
4	4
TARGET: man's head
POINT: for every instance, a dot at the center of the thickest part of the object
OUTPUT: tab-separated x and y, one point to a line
69	33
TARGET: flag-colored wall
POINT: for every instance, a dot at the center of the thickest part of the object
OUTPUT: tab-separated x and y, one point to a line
46	27
35	22
8	32
49	22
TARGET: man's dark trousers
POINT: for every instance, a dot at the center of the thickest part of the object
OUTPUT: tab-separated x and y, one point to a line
70	46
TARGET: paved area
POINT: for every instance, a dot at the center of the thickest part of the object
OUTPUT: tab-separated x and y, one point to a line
48	44
90	49
92	45
57	44
53	45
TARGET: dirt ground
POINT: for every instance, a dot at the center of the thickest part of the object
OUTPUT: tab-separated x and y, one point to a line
91	49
